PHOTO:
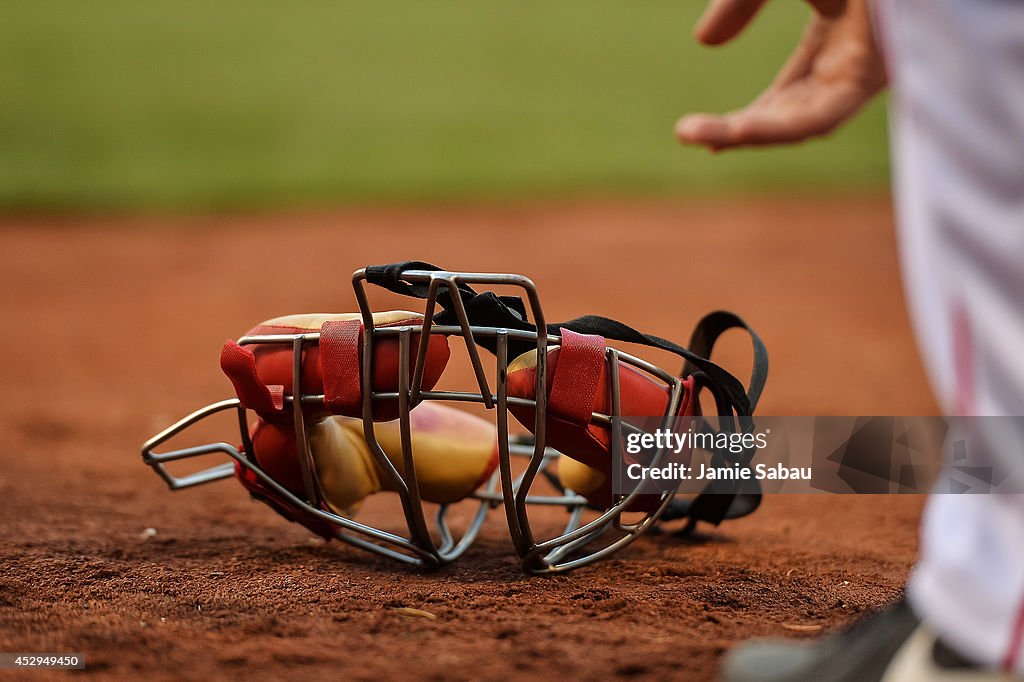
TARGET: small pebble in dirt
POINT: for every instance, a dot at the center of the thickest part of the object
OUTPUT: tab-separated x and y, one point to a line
408	612
147	534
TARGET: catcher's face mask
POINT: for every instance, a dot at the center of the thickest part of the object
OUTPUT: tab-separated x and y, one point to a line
334	408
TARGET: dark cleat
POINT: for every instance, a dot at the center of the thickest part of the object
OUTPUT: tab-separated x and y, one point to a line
891	646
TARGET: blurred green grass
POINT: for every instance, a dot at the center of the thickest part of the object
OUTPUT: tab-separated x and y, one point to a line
121	104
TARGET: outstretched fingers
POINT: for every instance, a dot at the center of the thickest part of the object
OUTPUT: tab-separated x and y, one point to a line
748	127
832	72
775	118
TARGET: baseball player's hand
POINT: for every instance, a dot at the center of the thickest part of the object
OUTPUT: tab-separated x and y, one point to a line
834	70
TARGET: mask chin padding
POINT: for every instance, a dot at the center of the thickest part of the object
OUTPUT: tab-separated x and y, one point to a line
582	479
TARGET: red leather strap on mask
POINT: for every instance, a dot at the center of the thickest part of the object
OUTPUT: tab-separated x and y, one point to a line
239	364
577	376
340	366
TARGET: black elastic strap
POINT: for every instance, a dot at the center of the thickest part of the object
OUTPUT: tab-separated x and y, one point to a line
390	277
484	310
722	499
706	333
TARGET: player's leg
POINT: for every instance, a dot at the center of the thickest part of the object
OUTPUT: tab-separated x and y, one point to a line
957	70
969	583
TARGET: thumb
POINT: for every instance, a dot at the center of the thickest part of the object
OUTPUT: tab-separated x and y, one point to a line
724	19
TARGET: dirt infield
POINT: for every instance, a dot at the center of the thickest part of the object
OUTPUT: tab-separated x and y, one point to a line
113	330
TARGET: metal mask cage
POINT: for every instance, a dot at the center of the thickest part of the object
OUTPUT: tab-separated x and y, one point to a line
578	544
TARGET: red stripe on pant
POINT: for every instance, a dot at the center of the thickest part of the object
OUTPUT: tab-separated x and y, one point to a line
1016	641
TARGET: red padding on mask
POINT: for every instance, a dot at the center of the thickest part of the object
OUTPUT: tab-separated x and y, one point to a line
269	366
239	364
640	395
340	366
603	496
577	377
277	453
282	506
